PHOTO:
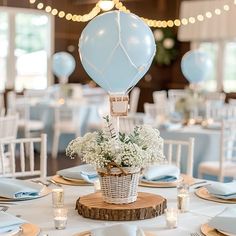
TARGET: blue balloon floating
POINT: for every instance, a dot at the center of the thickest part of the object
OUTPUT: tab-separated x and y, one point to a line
63	64
196	66
116	50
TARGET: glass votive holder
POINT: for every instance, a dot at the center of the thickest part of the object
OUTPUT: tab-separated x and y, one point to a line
60	218
183	198
171	215
97	186
58	197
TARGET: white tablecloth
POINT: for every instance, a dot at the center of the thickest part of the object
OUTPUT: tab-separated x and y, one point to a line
39	212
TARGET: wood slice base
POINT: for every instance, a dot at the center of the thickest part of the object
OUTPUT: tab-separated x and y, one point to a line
147	206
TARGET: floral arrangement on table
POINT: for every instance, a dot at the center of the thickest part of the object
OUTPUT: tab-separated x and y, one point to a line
166	46
191	102
119	158
141	147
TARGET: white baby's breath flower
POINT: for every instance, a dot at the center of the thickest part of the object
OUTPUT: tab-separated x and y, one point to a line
141	147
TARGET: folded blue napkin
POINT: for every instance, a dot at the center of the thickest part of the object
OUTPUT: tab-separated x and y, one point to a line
9	222
118	230
19	189
223	190
225	221
161	173
84	172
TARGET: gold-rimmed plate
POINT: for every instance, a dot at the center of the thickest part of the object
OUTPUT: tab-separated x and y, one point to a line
209	231
183	178
204	194
68	181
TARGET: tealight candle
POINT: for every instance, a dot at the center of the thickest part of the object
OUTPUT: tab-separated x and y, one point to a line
97	186
58	197
183	198
171	218
60	218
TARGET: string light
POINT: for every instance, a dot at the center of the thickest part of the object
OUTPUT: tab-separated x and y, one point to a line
119	6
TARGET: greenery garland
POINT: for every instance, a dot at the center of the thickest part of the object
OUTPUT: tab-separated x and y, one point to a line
166	43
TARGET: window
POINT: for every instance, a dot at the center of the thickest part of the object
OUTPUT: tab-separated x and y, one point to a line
25	46
3	49
223	55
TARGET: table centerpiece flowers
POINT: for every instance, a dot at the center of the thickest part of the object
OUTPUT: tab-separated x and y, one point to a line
119	158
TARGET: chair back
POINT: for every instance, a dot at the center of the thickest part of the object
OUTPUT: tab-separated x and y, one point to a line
227	144
26	162
8	127
174	152
127	124
218	113
134	99
232	101
218	96
159	97
155	112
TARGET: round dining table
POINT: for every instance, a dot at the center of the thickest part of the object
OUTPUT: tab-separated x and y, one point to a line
40	212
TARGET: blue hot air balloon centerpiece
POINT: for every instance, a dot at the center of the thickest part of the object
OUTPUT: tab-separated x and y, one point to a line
116	50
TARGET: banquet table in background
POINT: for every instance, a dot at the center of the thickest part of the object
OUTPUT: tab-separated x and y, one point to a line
90	105
40	212
206	146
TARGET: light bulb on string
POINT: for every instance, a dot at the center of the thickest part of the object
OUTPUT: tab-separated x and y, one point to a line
106	5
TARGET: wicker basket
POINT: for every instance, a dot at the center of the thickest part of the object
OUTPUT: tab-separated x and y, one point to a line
119	185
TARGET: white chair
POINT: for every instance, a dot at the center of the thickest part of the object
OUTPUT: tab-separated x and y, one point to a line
232	101
2	105
155	112
20	105
8	127
218	113
173	152
127	124
175	95
217	96
134	98
160	97
27	163
226	165
66	122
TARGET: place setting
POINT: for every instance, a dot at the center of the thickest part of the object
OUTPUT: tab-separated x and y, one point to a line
82	175
14	226
218	192
164	176
21	190
223	224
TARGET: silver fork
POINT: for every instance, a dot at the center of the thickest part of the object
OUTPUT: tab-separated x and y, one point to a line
41	182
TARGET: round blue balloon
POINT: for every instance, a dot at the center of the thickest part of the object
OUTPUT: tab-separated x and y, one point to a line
63	64
116	50
196	66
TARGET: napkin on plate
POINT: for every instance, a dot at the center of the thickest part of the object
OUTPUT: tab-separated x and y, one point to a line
118	230
19	189
161	173
84	172
225	221
223	190
9	222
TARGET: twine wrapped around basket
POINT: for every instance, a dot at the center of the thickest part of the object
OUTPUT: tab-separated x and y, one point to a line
119	185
